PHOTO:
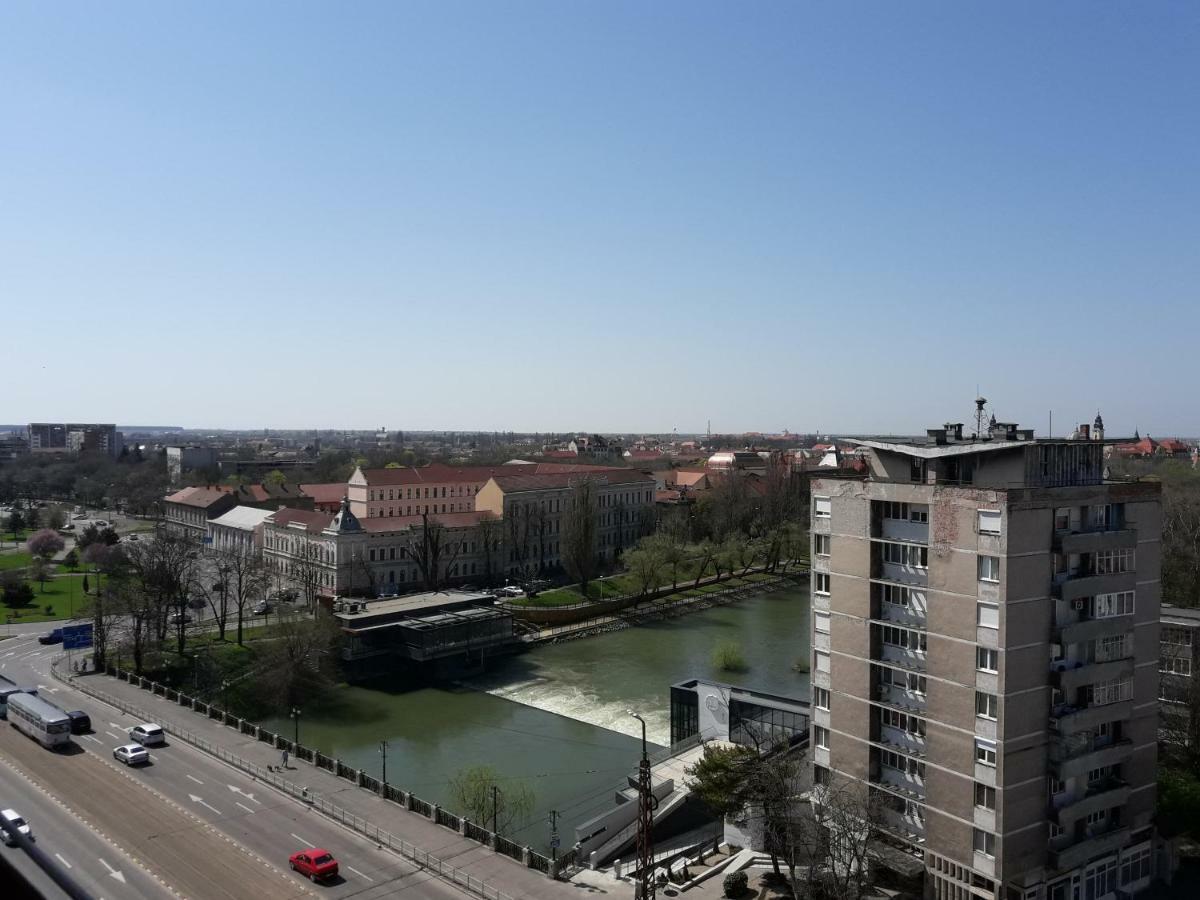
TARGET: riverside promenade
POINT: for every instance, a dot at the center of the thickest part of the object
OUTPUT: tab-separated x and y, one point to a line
438	848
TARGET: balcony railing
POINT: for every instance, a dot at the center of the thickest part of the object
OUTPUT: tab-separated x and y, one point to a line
1068	720
1103	795
1070	676
1070	851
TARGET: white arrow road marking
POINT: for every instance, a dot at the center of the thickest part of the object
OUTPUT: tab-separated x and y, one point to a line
247	795
195	779
196	799
63	861
360	874
115	873
302	840
111	735
93	740
245	807
42	687
116	726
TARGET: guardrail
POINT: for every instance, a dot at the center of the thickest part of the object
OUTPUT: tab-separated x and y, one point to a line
527	857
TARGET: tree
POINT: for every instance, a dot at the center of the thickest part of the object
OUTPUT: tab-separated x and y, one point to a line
307	571
45	543
1181	543
579	533
646	566
41	572
708	552
300	662
487	533
16	592
276	478
433	549
848	815
14	523
485	800
245	577
162	570
56	518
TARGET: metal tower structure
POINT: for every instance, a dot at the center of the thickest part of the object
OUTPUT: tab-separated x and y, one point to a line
647	802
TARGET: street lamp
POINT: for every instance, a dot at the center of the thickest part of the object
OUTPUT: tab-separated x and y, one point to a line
644	889
383	749
295	714
225	695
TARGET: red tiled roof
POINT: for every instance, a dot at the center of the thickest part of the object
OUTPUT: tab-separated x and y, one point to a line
313	520
438	473
550	480
560	454
1173	445
644	454
667	496
325	493
376	524
201	497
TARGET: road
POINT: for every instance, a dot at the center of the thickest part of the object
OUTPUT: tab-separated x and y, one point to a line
203	827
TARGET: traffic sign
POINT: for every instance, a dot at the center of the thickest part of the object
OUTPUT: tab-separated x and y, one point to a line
555	842
77	637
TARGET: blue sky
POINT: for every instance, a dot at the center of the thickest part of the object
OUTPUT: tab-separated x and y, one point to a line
611	216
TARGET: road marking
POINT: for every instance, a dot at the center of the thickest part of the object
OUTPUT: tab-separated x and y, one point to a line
111	735
302	840
63	861
360	874
42	687
247	795
199	800
245	807
116	726
195	779
115	873
93	739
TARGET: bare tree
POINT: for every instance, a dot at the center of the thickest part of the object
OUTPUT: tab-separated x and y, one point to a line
434	551
307	571
245	577
163	569
850	814
488	533
579	533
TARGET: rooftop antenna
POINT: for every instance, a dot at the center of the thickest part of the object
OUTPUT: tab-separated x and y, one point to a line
710	427
980	413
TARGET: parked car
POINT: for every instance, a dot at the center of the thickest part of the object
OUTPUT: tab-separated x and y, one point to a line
287	596
261	608
315	864
51	637
13	821
181	617
131	754
510	591
79	516
131	537
147	734
102	523
81	722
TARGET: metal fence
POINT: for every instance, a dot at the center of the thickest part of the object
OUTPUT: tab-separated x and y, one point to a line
275	778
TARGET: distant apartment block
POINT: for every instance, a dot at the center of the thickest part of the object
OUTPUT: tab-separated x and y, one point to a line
54	437
188	459
985	659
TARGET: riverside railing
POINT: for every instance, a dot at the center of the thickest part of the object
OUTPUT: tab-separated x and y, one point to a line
522	854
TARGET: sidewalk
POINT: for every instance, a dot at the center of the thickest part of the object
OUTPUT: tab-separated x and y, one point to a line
474	859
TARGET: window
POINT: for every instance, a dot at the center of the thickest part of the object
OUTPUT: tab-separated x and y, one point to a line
1062	518
821	697
989	521
1103	773
985	752
1112	562
985	796
989	568
1107	605
984	842
1175	665
1097	818
904	638
911	555
1057	831
903	764
1100	880
822	544
1055	785
916	470
895	719
821	622
987	659
1172	634
822	661
821	583
918	513
1106	649
1112	691
822	507
905	681
895	594
1135	866
821	736
987	615
987	706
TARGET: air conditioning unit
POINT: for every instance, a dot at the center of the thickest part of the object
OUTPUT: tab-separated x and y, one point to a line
1077	604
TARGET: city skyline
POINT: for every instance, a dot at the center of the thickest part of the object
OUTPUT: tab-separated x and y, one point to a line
629	218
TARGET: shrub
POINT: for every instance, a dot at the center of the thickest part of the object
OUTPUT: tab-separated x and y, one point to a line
49	608
728	657
71	560
736	884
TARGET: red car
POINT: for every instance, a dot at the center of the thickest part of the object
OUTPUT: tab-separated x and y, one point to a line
314	863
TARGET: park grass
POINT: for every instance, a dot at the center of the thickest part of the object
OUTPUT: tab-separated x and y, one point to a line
63	599
18	560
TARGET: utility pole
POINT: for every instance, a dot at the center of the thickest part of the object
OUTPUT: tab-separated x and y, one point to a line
644	890
383	748
554	835
495	806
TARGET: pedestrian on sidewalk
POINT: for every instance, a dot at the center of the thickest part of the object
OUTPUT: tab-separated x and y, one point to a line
284	757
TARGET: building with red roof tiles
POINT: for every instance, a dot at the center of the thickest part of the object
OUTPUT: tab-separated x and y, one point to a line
327	496
188	511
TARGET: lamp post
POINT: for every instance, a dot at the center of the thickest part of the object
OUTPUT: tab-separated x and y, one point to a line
383	749
644	889
225	696
295	714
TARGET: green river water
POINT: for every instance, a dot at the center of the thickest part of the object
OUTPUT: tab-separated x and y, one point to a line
558	716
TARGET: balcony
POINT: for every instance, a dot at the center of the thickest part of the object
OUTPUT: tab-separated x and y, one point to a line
1091	540
904	530
906	827
1076	587
1104	795
913	660
910	786
898	697
1084	629
1072	720
1071	757
900	573
1071	852
1069	676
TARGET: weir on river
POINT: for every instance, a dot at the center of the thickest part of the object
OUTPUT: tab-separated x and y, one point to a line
558	716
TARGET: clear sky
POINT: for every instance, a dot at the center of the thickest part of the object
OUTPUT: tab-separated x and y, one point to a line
606	216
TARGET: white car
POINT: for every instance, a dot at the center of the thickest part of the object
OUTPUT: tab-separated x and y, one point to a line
147	734
131	754
14	822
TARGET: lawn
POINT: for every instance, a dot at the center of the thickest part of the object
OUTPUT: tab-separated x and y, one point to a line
19	560
64	596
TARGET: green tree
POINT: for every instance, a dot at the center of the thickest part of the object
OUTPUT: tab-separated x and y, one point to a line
646	564
40	570
276	478
17	593
491	801
579	534
14	523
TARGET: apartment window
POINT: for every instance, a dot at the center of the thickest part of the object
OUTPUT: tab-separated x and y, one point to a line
987	615
1107	605
1172	634
1057	831
989	568
821	697
905	681
1136	866
987	659
822	544
985	752
918	512
1054	785
916	470
895	594
904	638
1062	518
1112	562
1109	648
1112	691
821	583
901	763
822	661
987	706
820	775
372	555
985	796
1097	818
1175	665
910	555
989	521
822	507
984	842
1100	880
895	719
1103	773
821	622
821	736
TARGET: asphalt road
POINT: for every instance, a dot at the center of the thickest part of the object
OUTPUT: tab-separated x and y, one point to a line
203	827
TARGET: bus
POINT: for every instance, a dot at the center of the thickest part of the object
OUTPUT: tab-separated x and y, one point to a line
6	687
42	721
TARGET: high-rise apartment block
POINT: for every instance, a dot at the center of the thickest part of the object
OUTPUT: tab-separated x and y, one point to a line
70	437
985	658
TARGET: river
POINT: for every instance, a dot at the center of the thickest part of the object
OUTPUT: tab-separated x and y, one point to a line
558	716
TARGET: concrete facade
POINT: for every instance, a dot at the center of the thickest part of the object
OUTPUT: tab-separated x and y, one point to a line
991	660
